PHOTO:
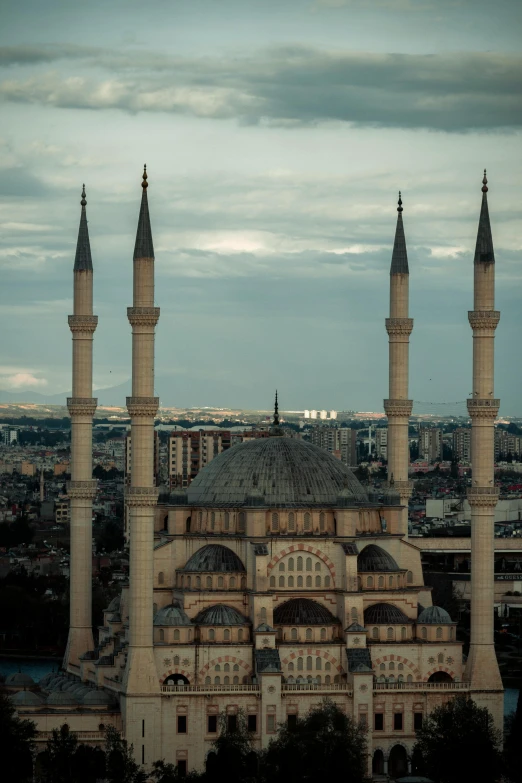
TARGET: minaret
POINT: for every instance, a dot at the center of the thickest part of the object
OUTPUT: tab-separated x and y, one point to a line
276	430
140	674
482	668
82	487
42	485
398	407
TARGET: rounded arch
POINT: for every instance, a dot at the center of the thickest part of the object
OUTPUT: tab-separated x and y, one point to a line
175	670
398	760
440	674
400	659
303	549
176	679
307	651
225	659
378	761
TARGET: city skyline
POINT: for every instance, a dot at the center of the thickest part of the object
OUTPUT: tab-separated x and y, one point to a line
274	208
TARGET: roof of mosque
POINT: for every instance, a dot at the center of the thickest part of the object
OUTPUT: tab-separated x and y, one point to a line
303	611
220	614
279	471
214	557
373	558
434	615
384	614
62	697
173	614
27	699
20	680
95	697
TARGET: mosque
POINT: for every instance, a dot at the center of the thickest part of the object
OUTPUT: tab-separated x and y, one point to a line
275	580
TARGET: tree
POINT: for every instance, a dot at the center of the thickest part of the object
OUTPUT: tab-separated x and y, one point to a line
57	758
325	744
512	745
17	742
119	757
458	742
164	772
233	758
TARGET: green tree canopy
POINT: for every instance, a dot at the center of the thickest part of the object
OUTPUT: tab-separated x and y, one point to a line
119	756
458	742
17	742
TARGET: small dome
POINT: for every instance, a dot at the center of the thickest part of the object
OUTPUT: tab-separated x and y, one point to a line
373	558
215	557
114	605
434	615
220	615
384	614
172	614
62	698
303	611
27	699
94	698
20	680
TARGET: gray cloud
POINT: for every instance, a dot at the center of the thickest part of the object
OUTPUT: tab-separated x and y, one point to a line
285	86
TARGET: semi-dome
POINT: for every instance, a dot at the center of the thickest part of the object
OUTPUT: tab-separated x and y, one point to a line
27	699
282	471
303	611
384	614
97	698
374	558
173	614
214	557
20	680
434	615
62	698
220	614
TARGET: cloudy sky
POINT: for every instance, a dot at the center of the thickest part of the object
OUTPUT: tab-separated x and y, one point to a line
276	135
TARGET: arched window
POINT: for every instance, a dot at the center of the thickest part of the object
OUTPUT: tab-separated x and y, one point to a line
235	681
308	581
242	521
403	633
409	577
207	680
317	581
440	658
389	633
327	666
409	678
243	582
217	681
290	581
291	521
226	667
322	523
451	632
200	518
272	581
369	581
323	634
327	680
176	634
220	581
309	663
308	634
226	521
189	581
354	614
299	664
299	563
262	614
375	633
299	581
226	635
318	566
162	635
154	608
240	635
281	566
390	581
293	634
290	563
392	666
382	667
308	563
438	633
209	583
291	667
232	582
381	581
275	522
424	633
281	581
161	578
318	663
212	520
400	667
217	667
198	582
318	678
211	635
307	521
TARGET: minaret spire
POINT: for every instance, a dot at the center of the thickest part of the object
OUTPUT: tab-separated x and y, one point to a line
482	668
141	677
398	407
276	430
82	487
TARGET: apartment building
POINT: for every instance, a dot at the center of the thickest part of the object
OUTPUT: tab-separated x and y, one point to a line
381	443
430	443
462	444
340	441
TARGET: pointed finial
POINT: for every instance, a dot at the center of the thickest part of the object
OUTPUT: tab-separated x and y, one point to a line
144	184
83	202
485	183
276	412
399	208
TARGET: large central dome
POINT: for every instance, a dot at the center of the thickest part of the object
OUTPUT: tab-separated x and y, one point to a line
280	472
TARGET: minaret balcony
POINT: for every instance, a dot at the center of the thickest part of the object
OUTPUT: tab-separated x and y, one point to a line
142	406
483	408
399	408
143	316
83	323
82	406
483	496
483	320
399	326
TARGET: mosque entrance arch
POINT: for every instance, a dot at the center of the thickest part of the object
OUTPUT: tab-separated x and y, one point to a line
440	677
398	762
378	762
176	679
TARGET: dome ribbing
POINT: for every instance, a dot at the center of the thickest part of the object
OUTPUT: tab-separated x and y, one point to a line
373	558
215	557
384	614
303	611
220	614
